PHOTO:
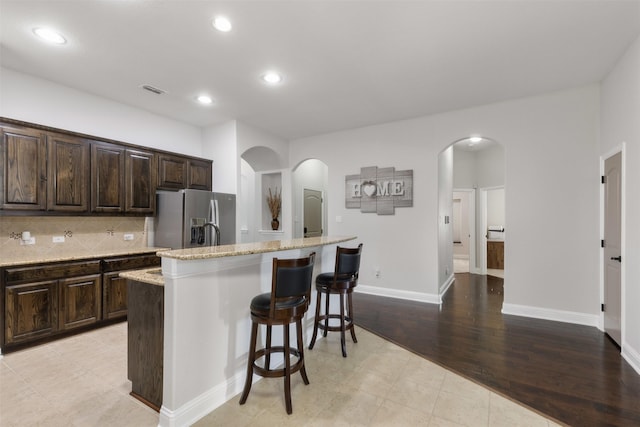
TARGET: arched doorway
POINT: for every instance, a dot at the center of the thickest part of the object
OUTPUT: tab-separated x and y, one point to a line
472	208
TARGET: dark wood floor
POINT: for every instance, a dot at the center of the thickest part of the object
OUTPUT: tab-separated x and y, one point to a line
573	374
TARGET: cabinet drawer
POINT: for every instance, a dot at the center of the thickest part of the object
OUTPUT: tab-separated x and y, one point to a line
53	271
130	262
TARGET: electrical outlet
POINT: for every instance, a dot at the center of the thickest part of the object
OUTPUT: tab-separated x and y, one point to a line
29	241
58	239
128	236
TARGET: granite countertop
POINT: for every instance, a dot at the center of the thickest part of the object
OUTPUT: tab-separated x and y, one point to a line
13	259
251	248
152	276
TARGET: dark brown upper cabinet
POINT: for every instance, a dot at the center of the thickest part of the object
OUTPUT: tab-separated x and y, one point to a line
199	176
122	180
59	172
177	172
68	175
23	157
107	178
172	172
140	181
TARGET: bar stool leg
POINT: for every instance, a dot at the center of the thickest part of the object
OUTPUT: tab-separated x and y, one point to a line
267	356
353	329
303	370
287	370
326	314
252	355
315	321
342	326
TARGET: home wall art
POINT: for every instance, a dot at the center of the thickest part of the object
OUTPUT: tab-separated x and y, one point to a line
379	190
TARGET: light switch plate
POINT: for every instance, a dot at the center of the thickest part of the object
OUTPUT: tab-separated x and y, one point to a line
58	239
128	236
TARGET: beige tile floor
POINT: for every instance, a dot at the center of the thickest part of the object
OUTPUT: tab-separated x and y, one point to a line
82	381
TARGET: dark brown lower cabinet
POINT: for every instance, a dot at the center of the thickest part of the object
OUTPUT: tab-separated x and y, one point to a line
114	287
80	301
31	311
40	302
145	342
495	255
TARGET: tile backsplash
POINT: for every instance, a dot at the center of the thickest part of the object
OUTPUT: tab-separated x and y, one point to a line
79	234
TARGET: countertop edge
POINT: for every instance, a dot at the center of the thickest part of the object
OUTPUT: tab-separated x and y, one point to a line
74	256
251	248
152	276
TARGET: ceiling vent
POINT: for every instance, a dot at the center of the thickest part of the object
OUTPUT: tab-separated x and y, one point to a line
153	89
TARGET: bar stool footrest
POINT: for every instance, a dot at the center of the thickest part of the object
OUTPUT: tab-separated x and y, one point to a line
279	372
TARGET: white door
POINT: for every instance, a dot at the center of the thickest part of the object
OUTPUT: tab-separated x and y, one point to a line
312	213
612	248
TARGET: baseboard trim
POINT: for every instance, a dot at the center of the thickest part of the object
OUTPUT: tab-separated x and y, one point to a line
202	405
551	314
632	356
397	293
445	286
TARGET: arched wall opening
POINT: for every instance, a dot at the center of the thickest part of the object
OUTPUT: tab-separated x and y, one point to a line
471	206
261	174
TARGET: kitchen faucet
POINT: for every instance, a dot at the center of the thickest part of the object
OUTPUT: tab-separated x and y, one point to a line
217	232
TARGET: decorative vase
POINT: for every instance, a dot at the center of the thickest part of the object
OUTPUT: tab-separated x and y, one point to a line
275	224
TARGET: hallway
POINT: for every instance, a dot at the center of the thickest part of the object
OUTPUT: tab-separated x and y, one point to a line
572	373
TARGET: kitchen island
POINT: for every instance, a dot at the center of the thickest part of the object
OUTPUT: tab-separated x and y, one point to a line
207	323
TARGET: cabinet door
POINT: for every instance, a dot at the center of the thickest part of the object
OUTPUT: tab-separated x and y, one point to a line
68	183
31	311
114	296
199	174
80	301
172	172
107	178
140	181
23	158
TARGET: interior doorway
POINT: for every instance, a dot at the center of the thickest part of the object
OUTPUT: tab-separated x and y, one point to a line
612	247
464	230
312	213
479	170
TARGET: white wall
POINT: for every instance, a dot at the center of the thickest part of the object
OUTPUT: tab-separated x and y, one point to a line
553	133
464	169
620	125
30	99
495	207
219	143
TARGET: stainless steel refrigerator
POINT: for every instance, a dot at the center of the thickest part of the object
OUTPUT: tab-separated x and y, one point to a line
194	218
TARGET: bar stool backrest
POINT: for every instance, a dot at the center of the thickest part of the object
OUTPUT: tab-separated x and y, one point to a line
348	260
291	279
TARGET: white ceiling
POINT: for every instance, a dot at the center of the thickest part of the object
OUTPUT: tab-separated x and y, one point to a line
345	63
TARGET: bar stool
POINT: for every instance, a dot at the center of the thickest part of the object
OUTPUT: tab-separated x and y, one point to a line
342	281
287	303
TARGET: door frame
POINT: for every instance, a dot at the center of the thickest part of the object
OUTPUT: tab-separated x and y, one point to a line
623	275
482	231
471	215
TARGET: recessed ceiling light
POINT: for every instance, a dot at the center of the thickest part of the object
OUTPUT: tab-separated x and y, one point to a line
204	99
272	77
475	139
49	35
221	23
